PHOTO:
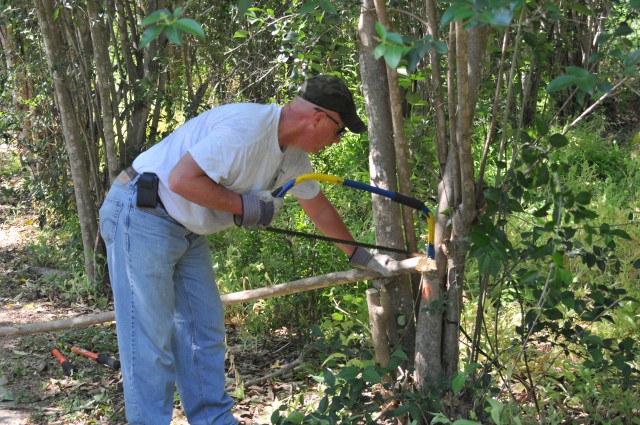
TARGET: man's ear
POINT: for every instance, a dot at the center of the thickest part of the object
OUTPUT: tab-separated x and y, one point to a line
316	118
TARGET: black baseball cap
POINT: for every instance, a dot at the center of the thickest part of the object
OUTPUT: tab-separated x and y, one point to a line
330	92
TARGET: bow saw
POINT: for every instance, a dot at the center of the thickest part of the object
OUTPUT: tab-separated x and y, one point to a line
394	196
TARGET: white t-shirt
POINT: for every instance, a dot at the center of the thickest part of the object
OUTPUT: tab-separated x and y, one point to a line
237	146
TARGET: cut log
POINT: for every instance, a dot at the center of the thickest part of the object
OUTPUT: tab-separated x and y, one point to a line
315	282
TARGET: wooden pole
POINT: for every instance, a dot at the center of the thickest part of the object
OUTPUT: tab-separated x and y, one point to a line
315	282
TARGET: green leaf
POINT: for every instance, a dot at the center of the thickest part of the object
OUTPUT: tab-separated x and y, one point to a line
308	7
378	52
553	314
634	4
381	30
440	47
333	356
393	56
149	35
243	6
458	12
577	71
395	38
561	82
328	7
177	12
173	34
465	422
558	140
190	26
295	418
621	234
596	355
496	410
241	34
623	29
583	198
329	378
458	383
565	275
155	17
371	375
348	373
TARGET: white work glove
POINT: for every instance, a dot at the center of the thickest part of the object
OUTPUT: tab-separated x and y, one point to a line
258	210
363	259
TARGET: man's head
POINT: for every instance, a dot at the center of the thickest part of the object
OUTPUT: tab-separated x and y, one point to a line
331	93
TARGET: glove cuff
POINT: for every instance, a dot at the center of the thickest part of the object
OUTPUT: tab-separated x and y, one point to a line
255	212
360	257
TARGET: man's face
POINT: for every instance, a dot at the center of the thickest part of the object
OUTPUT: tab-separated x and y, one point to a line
328	130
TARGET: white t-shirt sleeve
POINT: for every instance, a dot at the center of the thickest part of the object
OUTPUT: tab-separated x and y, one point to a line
296	163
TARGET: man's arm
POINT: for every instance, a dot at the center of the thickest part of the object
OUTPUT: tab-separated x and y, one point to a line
324	215
190	181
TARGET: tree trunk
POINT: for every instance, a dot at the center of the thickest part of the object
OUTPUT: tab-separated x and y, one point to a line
437	340
103	76
76	149
21	89
382	166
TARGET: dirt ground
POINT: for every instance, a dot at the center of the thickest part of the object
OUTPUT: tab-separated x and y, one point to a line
35	390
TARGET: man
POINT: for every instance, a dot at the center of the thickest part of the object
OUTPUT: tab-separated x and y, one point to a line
217	169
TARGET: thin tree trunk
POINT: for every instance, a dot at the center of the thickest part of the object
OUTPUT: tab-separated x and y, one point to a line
74	142
400	140
437	102
21	89
382	167
103	76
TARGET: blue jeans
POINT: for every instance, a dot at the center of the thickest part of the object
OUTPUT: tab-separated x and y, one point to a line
169	317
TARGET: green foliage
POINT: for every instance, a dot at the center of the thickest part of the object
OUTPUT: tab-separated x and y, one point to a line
546	246
472	13
171	24
615	49
393	47
349	381
556	244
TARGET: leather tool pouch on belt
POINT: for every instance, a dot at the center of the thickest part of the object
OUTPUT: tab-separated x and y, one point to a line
147	190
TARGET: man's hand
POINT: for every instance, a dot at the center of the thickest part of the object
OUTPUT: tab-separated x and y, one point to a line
258	210
363	259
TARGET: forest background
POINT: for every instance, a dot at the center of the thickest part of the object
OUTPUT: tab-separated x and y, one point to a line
516	122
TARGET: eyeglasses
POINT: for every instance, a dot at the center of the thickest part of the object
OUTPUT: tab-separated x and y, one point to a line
341	130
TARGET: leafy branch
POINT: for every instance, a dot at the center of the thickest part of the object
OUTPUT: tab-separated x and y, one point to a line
171	24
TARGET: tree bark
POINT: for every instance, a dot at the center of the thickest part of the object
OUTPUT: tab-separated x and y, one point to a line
103	77
76	149
382	168
21	88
